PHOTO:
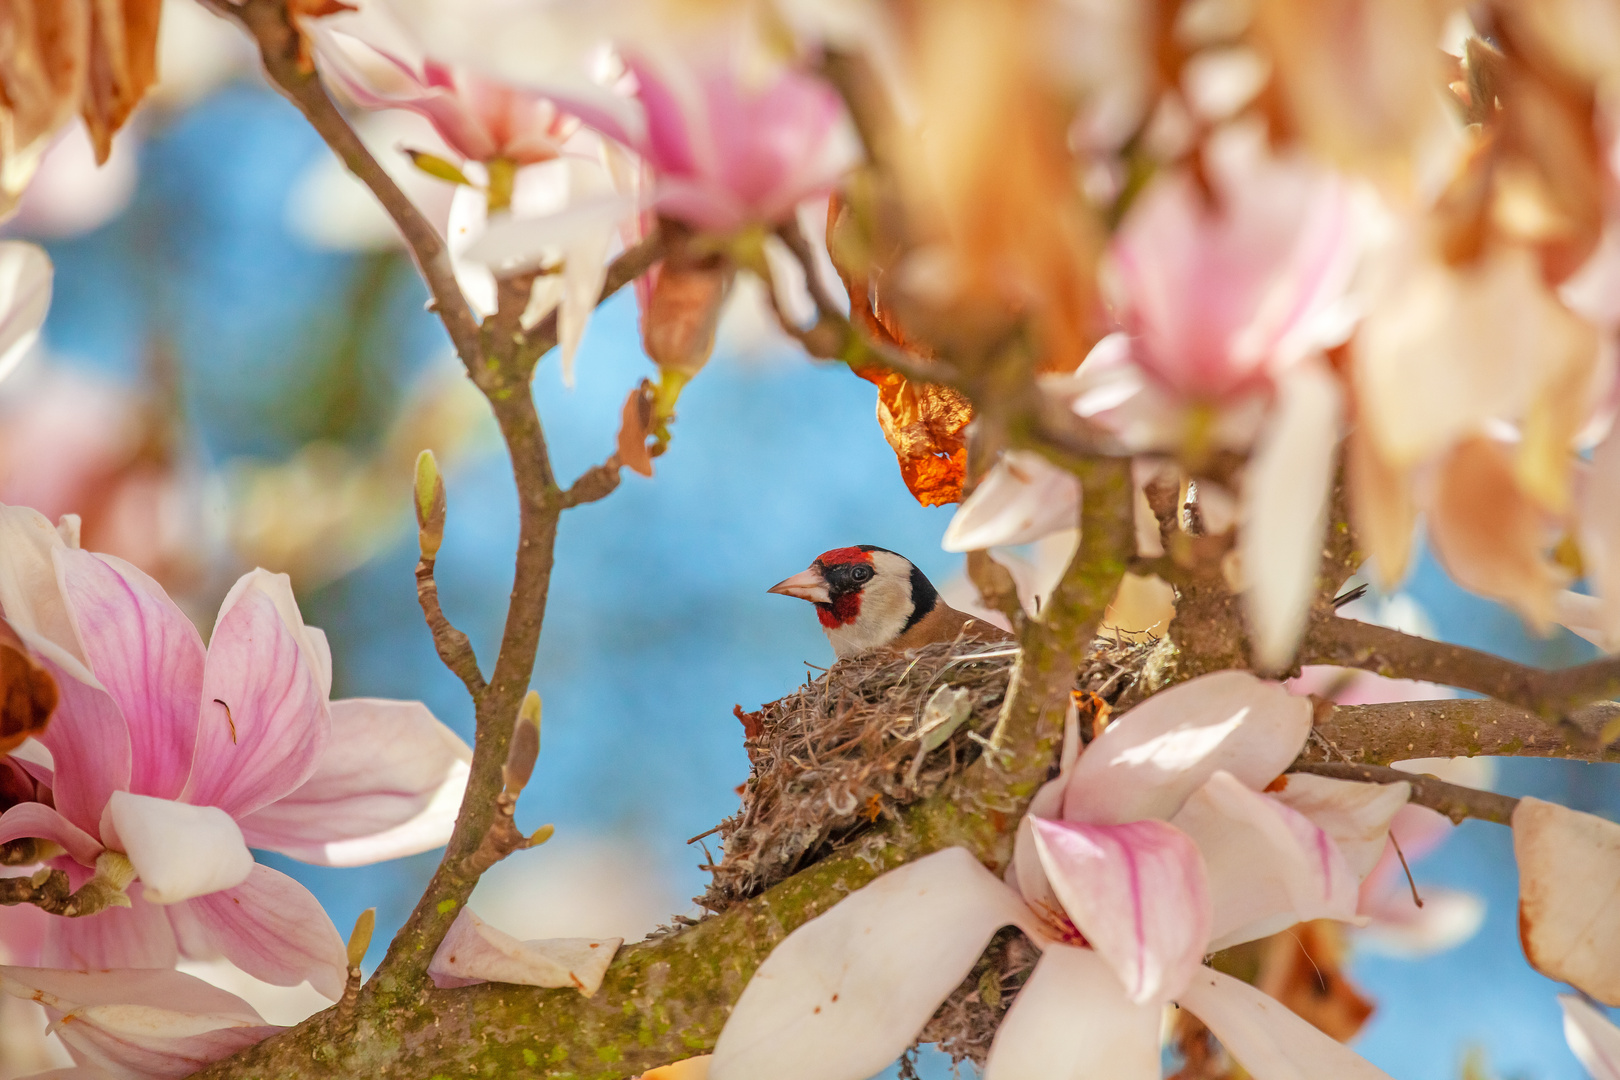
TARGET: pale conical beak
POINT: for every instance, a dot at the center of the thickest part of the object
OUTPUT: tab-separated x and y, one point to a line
807	585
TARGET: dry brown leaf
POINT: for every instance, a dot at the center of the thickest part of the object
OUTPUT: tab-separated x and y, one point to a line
1303	968
122	65
27	692
633	423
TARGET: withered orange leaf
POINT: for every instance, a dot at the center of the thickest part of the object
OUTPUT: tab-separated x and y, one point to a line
1304	969
27	692
633	424
122	65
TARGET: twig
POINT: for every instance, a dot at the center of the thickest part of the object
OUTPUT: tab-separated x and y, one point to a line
1460	727
594	484
1453	800
453	646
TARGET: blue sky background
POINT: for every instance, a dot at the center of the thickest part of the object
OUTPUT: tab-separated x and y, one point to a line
658	621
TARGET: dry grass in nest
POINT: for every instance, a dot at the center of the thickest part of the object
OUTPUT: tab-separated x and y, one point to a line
842	752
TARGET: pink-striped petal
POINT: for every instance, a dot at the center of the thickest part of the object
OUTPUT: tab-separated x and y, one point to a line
32	819
91	756
264	722
138	936
1569	879
269	926
845	993
180	851
147	655
474	952
1154	756
1269	866
1073	1021
1264	1036
1355	816
140	1025
1138	894
388	785
1591	1037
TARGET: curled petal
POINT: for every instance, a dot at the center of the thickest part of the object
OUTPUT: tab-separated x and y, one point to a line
1265	1037
29	594
1355	816
1024	498
1139	895
1269	866
845	993
388	785
140	1023
475	952
1569	895
269	926
1154	756
179	850
147	655
1285	505
32	819
264	721
1072	1021
1592	1038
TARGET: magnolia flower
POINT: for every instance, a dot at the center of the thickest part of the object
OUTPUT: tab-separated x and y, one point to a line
1592	1038
1160	848
139	1024
181	757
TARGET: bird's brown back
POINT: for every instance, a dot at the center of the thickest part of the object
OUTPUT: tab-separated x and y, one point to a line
945	623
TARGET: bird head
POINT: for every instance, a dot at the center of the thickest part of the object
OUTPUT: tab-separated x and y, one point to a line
865	596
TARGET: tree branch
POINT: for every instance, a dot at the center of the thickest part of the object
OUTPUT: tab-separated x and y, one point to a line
1453	800
1551	695
1457	727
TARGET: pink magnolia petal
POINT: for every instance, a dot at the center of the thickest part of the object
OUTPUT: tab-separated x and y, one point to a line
1284	511
269	926
1138	894
1569	895
1269	866
180	851
845	993
474	952
42	822
1418	830
320	655
1154	756
277	588
388	785
91	754
140	1024
138	936
1072	1020
1401	929
29	594
149	657
264	721
1265	1037
1024	498
1591	1037
1355	816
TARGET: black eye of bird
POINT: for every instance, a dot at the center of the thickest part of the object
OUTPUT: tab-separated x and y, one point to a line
861	574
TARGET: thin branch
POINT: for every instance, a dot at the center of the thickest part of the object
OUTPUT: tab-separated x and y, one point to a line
1453	800
1550	694
454	648
594	484
280	47
1459	727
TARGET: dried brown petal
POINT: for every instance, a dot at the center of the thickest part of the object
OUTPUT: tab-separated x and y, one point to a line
44	57
633	424
122	65
1304	969
683	313
27	692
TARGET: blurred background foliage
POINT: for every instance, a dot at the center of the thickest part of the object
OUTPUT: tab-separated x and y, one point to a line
236	373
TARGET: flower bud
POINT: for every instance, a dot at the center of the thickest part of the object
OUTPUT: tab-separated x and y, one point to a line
430	504
525	746
437	167
360	937
683	313
542	834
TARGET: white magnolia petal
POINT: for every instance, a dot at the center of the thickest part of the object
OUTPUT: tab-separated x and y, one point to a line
1151	758
1284	511
1023	498
845	993
25	298
474	952
1355	816
179	850
1268	1039
1269	866
1401	929
1569	895
29	594
140	1024
1072	1021
1591	1037
1036	576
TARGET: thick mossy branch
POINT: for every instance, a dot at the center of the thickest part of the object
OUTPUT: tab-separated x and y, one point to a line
1472	727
